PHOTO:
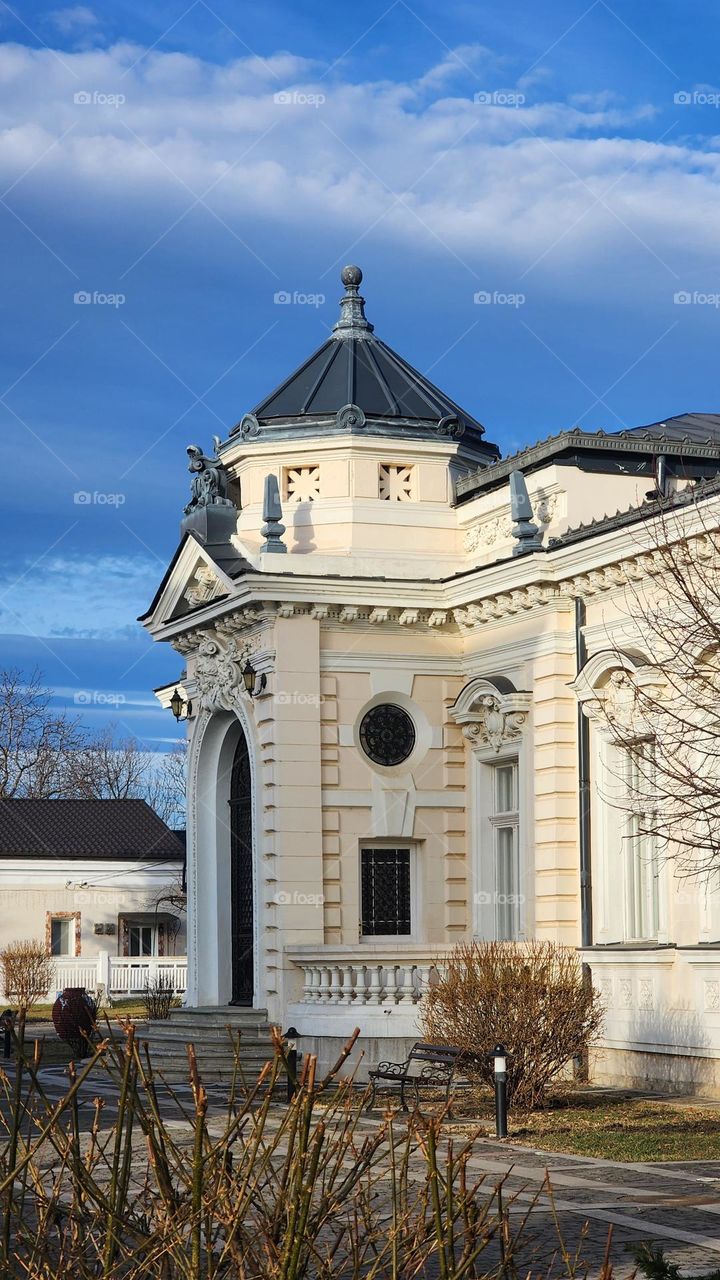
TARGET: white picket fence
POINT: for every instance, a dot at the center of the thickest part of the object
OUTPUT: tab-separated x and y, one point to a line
120	975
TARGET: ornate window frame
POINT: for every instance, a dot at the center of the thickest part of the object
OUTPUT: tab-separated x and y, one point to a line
493	716
77	929
607	691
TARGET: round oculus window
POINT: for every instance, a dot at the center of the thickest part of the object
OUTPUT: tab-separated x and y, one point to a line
387	734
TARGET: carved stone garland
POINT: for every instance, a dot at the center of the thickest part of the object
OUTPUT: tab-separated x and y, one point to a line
491	726
218	674
489	719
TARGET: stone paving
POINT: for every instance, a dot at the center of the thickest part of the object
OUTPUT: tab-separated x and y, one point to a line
676	1204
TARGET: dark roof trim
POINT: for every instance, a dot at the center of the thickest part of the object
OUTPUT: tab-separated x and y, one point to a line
625	442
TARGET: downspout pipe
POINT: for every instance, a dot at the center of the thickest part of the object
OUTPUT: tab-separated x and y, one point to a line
584	793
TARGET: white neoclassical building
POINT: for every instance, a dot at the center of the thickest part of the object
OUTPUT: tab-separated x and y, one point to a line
391	693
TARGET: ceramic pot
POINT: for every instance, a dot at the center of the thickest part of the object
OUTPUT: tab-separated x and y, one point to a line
73	1015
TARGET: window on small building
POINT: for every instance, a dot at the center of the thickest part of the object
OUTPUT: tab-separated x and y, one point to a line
504	822
62	936
385	891
642	899
141	940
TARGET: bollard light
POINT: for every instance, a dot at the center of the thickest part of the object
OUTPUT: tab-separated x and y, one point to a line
499	1057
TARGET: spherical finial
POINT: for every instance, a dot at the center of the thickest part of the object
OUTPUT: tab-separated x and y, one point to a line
351	277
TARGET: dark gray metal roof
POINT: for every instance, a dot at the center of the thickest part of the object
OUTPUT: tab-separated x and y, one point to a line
699	428
689	441
127	830
354	382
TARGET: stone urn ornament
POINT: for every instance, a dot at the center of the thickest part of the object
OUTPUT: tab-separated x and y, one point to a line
74	1014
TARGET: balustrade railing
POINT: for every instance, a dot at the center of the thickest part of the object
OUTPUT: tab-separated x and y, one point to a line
119	975
359	976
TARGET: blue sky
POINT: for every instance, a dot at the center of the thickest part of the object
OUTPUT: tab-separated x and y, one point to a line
181	164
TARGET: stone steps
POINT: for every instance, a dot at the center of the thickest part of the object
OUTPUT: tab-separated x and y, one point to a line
207	1030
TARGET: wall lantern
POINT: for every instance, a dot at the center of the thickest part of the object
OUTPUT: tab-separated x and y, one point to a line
254	683
179	707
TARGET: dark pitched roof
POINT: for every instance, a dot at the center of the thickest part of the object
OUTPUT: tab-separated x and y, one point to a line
126	830
349	369
354	368
696	428
690	442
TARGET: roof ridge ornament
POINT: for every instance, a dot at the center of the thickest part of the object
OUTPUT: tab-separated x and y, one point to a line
273	528
352	322
527	534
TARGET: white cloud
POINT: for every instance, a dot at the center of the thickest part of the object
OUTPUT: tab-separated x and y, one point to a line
76	18
574	181
75	597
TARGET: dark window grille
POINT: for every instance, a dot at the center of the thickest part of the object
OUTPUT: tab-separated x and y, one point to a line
385	875
387	734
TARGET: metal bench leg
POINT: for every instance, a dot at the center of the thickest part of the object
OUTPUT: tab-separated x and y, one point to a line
402	1094
373	1091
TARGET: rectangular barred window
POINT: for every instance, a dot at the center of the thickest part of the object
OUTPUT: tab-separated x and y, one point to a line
385	891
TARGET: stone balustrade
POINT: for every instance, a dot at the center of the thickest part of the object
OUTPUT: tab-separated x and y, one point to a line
366	975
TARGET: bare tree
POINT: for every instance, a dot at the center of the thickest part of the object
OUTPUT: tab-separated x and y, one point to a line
166	787
110	767
665	715
36	743
107	767
48	755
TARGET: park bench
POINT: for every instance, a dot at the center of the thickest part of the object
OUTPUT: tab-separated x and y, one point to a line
427	1066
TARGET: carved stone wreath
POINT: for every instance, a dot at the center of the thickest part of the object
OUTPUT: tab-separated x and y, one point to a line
387	734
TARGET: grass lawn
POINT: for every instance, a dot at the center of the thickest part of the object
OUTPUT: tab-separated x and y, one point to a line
132	1008
626	1129
585	1123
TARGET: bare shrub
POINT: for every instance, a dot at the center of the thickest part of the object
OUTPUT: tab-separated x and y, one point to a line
529	996
28	972
296	1192
159	996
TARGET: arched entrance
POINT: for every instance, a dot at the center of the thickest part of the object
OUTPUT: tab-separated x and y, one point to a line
242	930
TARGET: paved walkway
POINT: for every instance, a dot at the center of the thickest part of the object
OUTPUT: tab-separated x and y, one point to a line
676	1204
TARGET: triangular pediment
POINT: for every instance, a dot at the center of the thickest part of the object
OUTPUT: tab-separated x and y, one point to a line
194	579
